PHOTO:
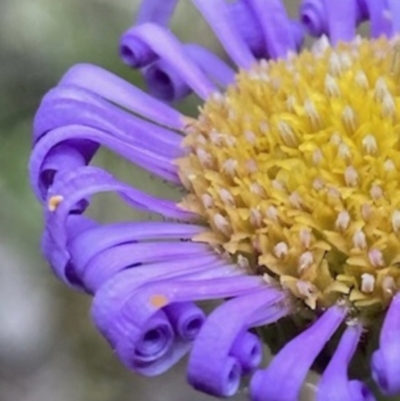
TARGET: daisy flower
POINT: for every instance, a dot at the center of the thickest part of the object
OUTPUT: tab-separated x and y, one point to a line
291	197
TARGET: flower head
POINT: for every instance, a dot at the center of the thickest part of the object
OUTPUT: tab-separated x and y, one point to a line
291	205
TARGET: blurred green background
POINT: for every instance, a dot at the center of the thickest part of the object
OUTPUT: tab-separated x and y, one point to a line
49	349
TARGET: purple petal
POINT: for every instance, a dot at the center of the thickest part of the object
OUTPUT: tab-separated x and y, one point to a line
111	297
57	256
91	242
50	156
165	82
142	306
60	97
275	26
148	145
247	349
44	167
45	120
216	69
77	225
87	181
136	53
157	347
245	20
378	16
157	337
174	354
111	261
314	17
223	349
186	319
166	46
218	16
156	11
283	378
110	87
362	11
76	186
199	290
335	385
248	24
67	105
298	34
148	299
385	362
394	9
341	20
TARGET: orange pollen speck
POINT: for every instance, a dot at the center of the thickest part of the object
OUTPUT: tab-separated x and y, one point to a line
159	300
54	202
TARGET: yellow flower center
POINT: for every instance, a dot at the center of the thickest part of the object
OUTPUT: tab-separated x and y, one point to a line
296	171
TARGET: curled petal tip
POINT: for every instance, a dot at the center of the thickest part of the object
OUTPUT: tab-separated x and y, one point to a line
386	371
247	349
359	392
224	349
313	17
385	361
186	318
154	341
134	52
164	82
225	384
